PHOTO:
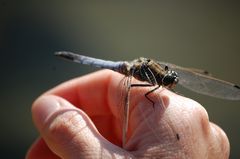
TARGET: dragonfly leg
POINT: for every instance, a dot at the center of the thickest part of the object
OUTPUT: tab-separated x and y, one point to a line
141	85
146	94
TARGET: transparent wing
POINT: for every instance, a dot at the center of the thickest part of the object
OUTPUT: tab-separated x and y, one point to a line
204	84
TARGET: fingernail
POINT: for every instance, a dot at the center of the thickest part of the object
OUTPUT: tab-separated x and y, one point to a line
43	108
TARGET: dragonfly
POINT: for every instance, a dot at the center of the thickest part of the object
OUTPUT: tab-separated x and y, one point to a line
159	74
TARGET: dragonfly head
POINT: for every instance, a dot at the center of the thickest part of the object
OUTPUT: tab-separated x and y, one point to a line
170	79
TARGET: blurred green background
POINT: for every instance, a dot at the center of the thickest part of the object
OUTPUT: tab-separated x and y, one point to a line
199	34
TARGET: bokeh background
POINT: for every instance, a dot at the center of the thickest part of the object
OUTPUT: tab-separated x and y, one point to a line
200	34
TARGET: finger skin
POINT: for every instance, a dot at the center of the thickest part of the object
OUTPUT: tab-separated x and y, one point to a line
219	145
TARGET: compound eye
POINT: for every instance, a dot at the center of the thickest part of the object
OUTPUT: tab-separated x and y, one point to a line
170	79
167	80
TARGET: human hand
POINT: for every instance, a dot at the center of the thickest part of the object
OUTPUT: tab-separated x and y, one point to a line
81	119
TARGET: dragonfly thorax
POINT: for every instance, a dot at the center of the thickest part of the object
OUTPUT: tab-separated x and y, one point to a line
148	70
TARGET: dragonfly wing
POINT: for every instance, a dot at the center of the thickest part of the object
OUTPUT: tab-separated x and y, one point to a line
204	72
205	84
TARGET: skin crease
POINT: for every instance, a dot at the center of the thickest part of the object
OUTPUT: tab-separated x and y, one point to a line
81	118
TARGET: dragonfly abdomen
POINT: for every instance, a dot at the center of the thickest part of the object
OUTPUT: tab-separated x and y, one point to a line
115	66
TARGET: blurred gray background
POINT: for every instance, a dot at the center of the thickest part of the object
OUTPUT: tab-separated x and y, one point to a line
193	34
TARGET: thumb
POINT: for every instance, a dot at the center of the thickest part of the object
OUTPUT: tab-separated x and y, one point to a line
67	130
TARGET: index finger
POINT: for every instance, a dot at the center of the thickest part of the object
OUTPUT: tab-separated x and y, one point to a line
90	92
